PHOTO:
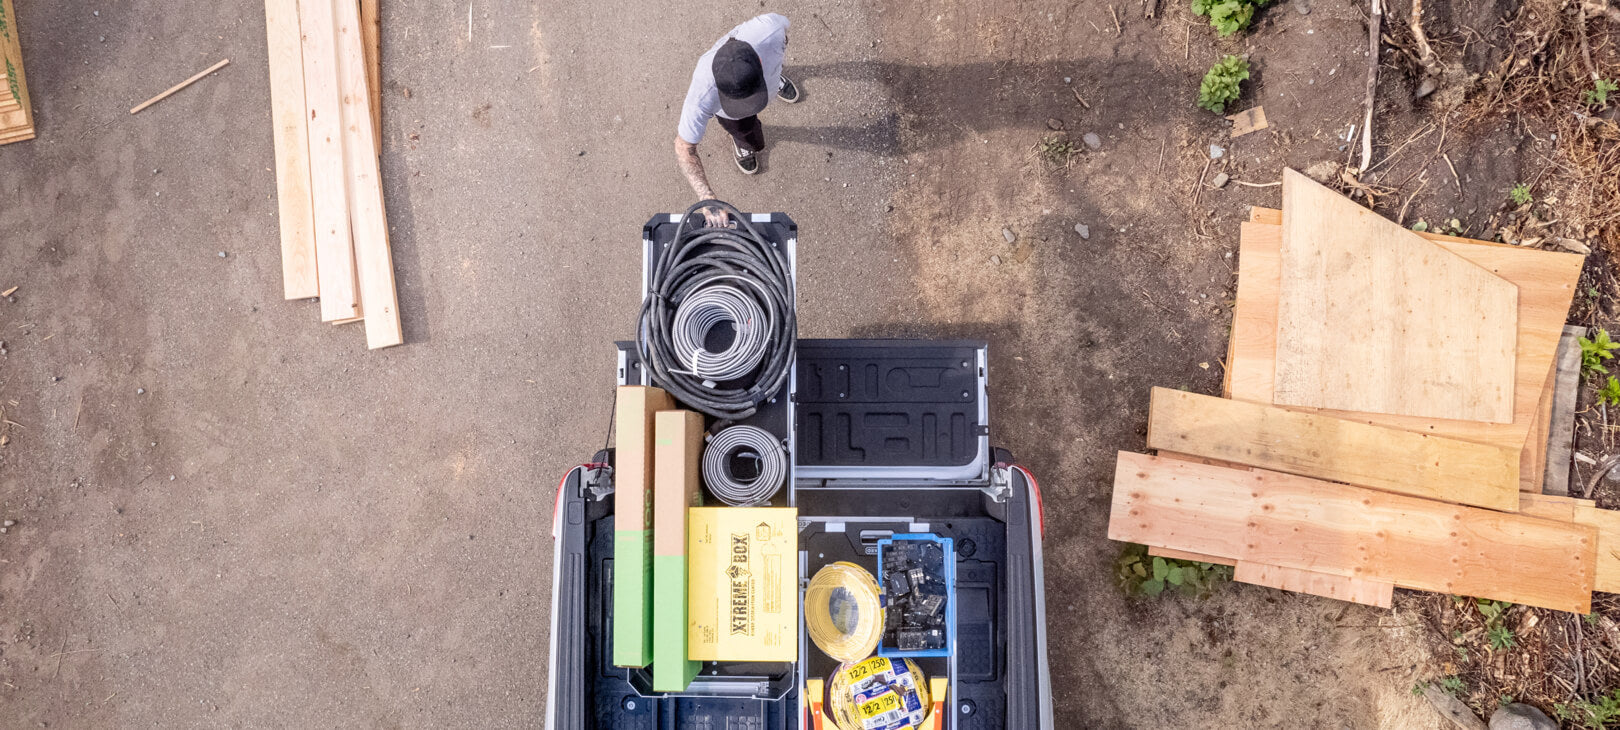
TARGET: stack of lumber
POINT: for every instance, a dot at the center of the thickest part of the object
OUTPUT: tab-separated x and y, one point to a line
325	86
16	115
1386	421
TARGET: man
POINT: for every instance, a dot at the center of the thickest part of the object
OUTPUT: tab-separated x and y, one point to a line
732	84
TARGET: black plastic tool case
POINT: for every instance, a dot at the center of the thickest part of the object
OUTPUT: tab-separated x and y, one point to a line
890	436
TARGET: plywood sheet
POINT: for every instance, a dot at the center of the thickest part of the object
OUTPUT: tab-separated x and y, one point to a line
1355	590
1295	522
1535	447
290	134
367	217
1607	524
1336	449
334	245
1372	318
1546	281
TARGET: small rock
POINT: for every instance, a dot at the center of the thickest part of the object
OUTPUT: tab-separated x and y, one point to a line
995	260
12	299
1220	180
1519	716
888	208
1425	87
222	254
1092	140
171	477
1067	80
56	378
1303	6
140	391
4	530
1322	171
580	153
104	39
1054	124
1084	231
1009	235
1216	152
8	523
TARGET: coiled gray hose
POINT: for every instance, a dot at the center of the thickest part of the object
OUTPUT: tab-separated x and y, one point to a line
743	440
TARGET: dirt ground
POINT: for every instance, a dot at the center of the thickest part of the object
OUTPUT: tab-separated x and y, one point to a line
229	514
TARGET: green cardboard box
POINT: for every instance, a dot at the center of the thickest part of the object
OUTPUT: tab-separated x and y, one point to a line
677	457
632	522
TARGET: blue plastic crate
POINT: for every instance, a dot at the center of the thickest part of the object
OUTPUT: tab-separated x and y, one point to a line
950	592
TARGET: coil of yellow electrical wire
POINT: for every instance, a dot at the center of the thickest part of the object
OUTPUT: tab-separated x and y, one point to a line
881	693
843	612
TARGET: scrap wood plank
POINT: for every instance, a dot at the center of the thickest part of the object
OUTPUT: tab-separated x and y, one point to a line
1193	557
17	124
1355	590
1535	447
1372	318
371	31
1249	120
1607	524
1320	446
291	140
1566	390
368	217
1297	522
334	244
1547	286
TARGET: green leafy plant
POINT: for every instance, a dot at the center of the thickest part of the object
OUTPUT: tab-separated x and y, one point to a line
1501	637
1591	619
1595	351
1150	575
1521	194
1505	700
1057	150
1420	226
1610	392
1419	688
1220	85
1594	715
1228	16
1453	685
1598	95
1493	610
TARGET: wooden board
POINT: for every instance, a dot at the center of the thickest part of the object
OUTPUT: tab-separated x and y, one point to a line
1372	318
371	32
367	216
1249	120
334	244
17	124
1561	427
1607	523
291	138
1342	450
1539	505
1194	557
1535	447
1547	285
1355	590
1296	522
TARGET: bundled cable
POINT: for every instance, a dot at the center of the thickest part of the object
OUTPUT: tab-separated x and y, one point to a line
705	279
744	441
843	612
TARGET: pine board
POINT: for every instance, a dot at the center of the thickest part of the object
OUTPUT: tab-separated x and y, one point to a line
1334	449
1607	523
1296	522
371	31
334	244
1535	447
1355	590
367	216
1194	557
290	134
17	124
1546	281
1372	318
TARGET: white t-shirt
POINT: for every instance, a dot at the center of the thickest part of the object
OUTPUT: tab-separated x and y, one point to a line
768	35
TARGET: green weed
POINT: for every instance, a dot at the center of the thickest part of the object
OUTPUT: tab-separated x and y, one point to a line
1150	575
1220	85
1598	95
1595	715
1453	685
1057	150
1595	351
1228	16
1610	392
1501	637
1521	194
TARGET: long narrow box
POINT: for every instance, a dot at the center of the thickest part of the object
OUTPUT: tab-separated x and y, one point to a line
677	457
633	522
744	576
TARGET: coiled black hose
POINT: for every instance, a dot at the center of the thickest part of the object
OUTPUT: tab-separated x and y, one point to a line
702	279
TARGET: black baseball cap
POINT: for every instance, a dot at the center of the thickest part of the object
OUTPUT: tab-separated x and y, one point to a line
741	79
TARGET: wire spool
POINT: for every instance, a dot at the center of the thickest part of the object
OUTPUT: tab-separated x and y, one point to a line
881	693
744	441
843	612
701	282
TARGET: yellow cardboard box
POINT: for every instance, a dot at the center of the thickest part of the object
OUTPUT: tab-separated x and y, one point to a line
743	573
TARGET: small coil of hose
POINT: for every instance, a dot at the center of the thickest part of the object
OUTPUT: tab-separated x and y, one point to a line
704	279
744	441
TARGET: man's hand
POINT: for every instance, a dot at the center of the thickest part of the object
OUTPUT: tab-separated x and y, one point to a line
715	215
